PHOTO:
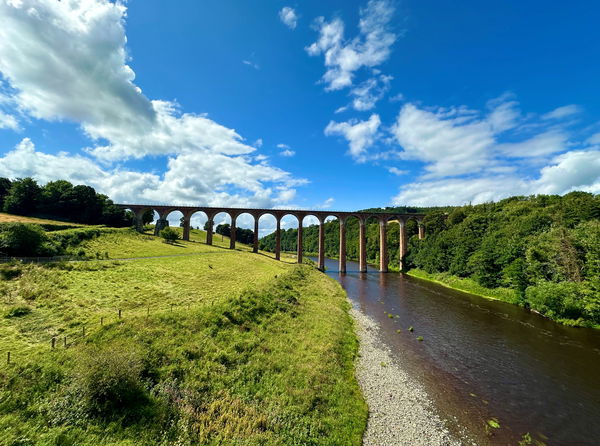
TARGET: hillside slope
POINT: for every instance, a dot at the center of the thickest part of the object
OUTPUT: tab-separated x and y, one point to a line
218	347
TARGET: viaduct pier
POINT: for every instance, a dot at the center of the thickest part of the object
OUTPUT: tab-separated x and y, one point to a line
382	217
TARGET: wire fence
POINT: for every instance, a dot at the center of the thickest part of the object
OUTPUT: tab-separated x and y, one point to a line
42	259
60	338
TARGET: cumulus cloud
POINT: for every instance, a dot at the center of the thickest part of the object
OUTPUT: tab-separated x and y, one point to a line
576	170
359	134
66	61
289	17
179	184
370	48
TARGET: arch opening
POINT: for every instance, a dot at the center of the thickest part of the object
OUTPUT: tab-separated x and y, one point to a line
267	224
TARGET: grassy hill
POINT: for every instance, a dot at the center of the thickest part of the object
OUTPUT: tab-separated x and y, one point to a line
216	347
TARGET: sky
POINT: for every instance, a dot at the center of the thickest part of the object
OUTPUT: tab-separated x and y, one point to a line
339	105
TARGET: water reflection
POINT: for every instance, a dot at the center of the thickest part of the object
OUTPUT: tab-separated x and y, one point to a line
483	359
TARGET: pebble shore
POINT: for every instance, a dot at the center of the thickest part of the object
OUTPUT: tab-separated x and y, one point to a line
400	412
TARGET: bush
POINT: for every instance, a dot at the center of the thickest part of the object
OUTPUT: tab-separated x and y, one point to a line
170	235
565	300
23	240
17	311
108	381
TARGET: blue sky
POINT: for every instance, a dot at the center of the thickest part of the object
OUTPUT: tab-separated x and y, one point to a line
337	104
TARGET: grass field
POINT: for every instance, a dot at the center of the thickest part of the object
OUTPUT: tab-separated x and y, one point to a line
218	347
125	243
10	218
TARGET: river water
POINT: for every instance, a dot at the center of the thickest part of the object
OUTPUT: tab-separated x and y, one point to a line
482	359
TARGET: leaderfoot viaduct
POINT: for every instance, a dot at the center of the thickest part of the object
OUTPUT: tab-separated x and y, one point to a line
362	217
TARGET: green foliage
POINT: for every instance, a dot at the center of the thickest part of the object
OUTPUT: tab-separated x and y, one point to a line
17	311
107	381
60	200
23	197
23	240
545	248
242	235
169	235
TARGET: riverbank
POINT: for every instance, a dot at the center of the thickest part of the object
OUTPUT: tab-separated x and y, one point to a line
507	295
466	285
400	411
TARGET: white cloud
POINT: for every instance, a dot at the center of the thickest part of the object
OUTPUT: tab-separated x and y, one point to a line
458	191
396	171
251	64
576	170
546	143
450	141
181	183
326	204
67	61
456	141
370	48
359	134
285	150
369	92
289	17
594	139
563	112
8	121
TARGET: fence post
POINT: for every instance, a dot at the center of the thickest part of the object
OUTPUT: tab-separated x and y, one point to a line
53	341
65	341
119	313
8	357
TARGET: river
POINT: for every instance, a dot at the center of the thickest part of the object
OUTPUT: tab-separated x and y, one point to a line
482	359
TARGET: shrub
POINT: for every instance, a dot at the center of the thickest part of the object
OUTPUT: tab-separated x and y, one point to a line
108	381
170	235
565	300
17	311
20	239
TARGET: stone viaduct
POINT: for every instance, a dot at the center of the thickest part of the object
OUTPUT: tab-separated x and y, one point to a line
383	218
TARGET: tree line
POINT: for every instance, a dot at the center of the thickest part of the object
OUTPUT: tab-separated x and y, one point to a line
60	200
545	247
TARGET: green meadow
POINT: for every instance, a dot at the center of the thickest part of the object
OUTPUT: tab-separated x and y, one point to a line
214	347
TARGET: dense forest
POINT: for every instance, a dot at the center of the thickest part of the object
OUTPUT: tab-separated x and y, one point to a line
546	248
60	200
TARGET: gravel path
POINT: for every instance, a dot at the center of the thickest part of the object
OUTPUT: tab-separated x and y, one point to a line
400	412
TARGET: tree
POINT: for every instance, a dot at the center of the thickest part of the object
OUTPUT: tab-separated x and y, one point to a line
170	235
23	197
23	240
4	188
